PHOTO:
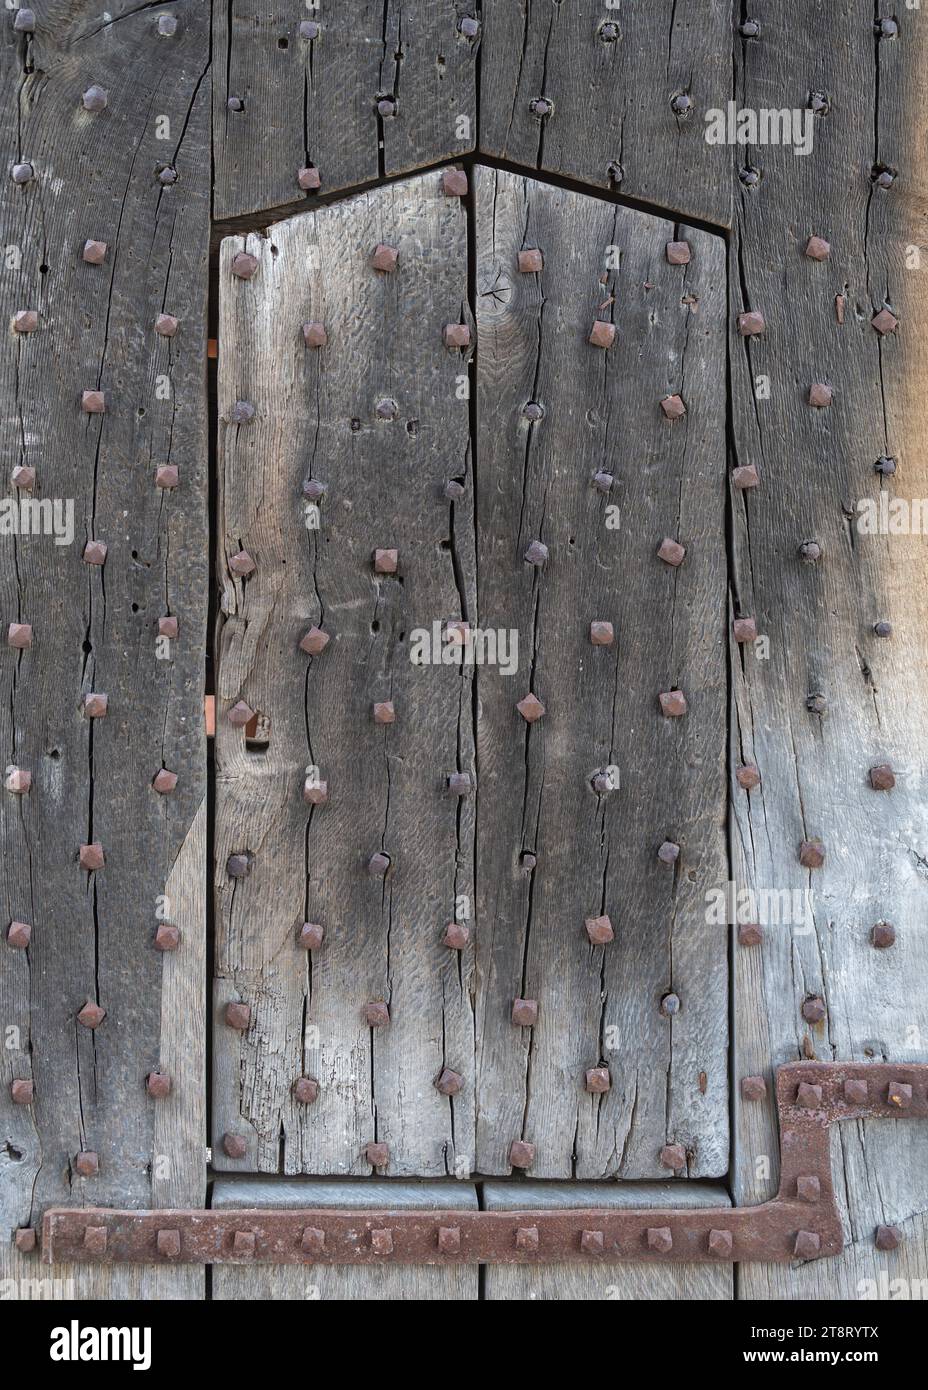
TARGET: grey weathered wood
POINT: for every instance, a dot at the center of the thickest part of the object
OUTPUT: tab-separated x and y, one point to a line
814	467
316	101
597	854
344	1283
96	629
612	100
612	1282
316	416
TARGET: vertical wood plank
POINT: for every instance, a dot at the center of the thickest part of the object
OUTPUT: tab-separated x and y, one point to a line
135	175
319	416
597	852
867	704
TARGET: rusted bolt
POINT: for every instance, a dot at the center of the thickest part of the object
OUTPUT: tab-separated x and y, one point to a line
243	1244
315	792
541	107
384	712
592	1242
376	1014
242	564
378	864
882	629
23	477
87	1164
94	252
673	704
809	1096
750	934
817	248
94	99
25	1237
243	265
382	1241
449	1239
882	778
166	325
24	22
744	629
820	395
234	1146
312	1241
384	257
720	1244
670	1005
18	781
314	641
456	936
602	482
810	552
751	323
459	783
814	1010
753	1088
386	561
525	1012
807	1245
378	1155
238	865
887	1237
602	634
238	1015
530	708
745	476
91	857
531	261
18	935
537	553
158	1085
883	934
167	937
456	335
885	322
310	936
95	1240
659	1239
808	1188
240	714
309	30
93	402
668	852
25	321
448	1082
91	1015
167	476
899	1095
164	782
521	1154
602	334
678	253
673	1156
167	1242
305	1090
308	178
22	1092
671	552
811	854
454	183
22	173
673	407
314	336
527	1238
599	930
856	1092
748	777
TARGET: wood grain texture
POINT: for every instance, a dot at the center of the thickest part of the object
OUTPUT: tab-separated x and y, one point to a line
612	98
457	1283
316	416
95	628
315	102
598	853
613	1282
815	466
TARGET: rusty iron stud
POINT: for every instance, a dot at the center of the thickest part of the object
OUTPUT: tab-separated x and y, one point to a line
22	173
468	26
899	1095
378	1155
240	714
533	411
671	552
309	29
811	854
527	860
167	1243
537	553
19	636
682	104
385	258
807	1245
18	781
531	261
592	1242
603	782
885	322
820	395
91	1015
526	1239
530	708
459	783
456	936
673	407
454	183
720	1244
164	782
744	629
810	552
158	1085
599	930
882	778
378	864
817	249
745	476
23	477
668	852
24	23
659	1238
673	1156
310	936
748	777
314	641
238	1015
167	175
238	865
673	704
91	857
25	1237
384	712
602	634
87	1164
314	336
95	553
883	934
305	1090
678	253
808	1095
309	178
18	935
95	99
382	1241
95	1240
882	629
387	108
602	482
753	1088
521	1154
602	334
95	705
813	1009
887	1237
93	402
243	265
94	252
750	934
524	1012
386	561
25	321
449	1239
234	1146
751	324
376	1014
167	476
312	1241
243	1244
808	1188
856	1092
596	1080
167	937
166	325
456	335
448	1082
242	564
315	793
22	1092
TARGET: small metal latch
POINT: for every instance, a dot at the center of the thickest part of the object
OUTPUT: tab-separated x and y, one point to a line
801	1222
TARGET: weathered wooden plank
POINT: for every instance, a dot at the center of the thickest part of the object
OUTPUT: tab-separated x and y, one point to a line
379	88
614	96
95	176
597	852
815	466
288	1282
613	1282
319	415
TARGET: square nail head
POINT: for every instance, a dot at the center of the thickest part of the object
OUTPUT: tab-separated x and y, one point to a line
93	402
94	252
599	930
673	704
95	553
673	407
454	183
167	937
671	552
531	261
386	561
679	253
602	334
91	857
385	258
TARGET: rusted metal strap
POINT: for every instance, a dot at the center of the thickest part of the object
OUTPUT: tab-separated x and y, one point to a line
802	1221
